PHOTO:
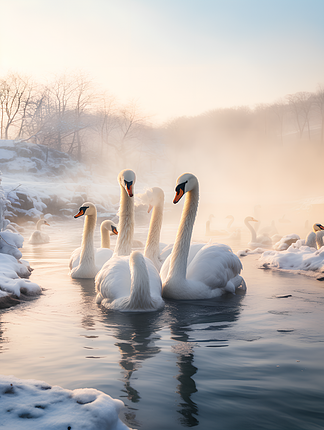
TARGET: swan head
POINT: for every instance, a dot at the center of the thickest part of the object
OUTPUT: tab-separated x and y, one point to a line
87	208
250	218
317	227
110	226
127	179
42	222
152	197
186	182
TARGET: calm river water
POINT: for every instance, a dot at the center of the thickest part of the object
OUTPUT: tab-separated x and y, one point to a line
237	362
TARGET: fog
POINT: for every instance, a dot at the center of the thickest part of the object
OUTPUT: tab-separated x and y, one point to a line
266	157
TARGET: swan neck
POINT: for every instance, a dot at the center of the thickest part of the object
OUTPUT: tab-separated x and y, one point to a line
39	225
180	252
253	233
105	237
152	246
87	244
126	224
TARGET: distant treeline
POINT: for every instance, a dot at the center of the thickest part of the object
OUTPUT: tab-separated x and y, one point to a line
69	114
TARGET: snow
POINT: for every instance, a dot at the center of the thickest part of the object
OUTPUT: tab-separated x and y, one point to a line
303	259
35	405
13	270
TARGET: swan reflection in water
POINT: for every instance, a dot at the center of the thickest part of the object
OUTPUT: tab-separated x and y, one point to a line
194	324
136	335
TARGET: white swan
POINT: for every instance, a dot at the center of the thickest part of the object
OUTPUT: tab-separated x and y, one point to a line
102	254
156	251
260	241
213	270
311	237
128	283
39	236
86	261
234	232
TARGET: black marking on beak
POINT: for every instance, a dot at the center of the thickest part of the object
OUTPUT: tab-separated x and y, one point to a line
81	212
129	187
180	190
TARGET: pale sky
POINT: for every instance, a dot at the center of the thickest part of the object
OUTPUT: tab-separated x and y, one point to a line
174	57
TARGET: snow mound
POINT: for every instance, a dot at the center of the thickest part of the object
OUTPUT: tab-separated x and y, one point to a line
35	405
304	258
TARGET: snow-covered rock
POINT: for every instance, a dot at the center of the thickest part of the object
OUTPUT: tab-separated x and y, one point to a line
35	405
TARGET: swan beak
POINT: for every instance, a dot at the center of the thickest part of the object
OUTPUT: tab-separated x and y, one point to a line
79	214
114	229
149	209
321	227
254	220
46	223
129	189
179	194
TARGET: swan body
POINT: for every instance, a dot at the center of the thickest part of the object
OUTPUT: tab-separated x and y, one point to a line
128	283
102	254
213	270
83	262
311	239
39	236
260	241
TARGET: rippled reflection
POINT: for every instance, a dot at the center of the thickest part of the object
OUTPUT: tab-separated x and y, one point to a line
192	324
136	335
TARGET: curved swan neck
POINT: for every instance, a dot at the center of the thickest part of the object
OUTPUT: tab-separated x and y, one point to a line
87	244
152	246
246	222
126	224
39	224
105	237
180	252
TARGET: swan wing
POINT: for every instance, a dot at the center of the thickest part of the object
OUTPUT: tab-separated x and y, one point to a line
75	258
102	255
114	279
216	266
155	280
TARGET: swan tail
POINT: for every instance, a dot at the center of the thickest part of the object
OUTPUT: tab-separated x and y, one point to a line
140	296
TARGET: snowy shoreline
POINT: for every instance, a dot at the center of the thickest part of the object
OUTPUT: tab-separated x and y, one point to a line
31	404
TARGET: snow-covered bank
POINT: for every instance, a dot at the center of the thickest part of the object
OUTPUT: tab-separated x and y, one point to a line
302	260
35	405
13	270
39	181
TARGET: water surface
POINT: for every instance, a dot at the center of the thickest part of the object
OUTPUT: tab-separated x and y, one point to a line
236	362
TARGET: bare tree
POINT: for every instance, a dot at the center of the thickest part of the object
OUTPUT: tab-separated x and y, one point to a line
319	105
279	109
13	91
130	127
300	104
